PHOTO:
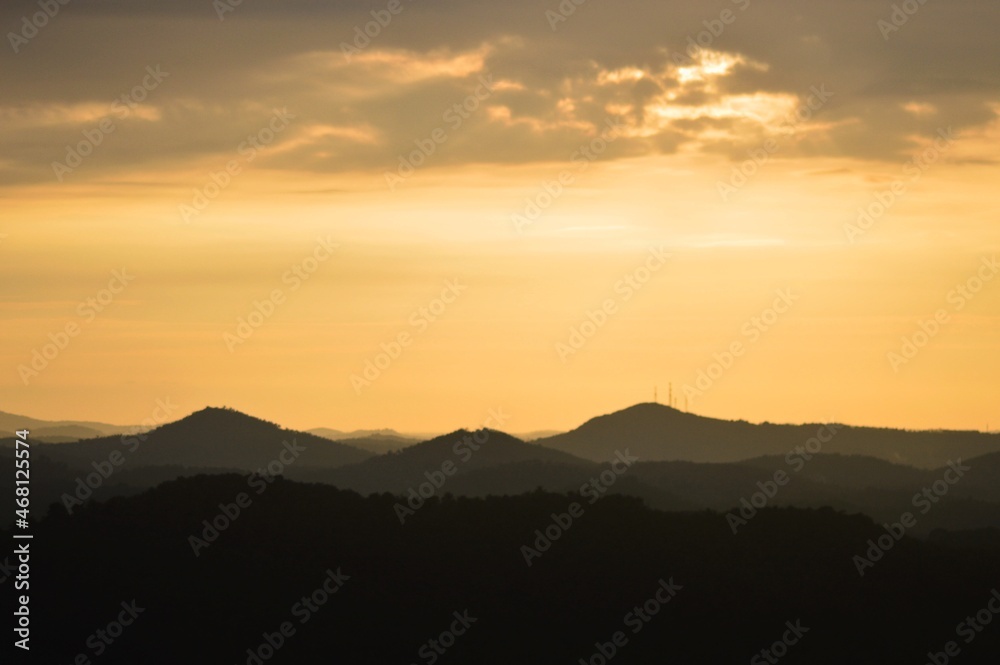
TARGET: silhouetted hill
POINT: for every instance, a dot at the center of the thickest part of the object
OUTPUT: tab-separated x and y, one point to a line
54	482
849	472
530	475
212	438
400	585
377	444
62	429
982	482
65	433
844	483
534	436
10	442
464	451
721	486
385	433
656	432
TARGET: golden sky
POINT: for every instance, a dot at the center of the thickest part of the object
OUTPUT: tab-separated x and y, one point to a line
546	216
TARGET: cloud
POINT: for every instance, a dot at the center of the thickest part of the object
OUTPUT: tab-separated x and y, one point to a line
553	89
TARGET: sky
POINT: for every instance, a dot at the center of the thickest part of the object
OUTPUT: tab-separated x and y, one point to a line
408	214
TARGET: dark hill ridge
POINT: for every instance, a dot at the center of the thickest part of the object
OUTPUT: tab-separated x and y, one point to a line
879	489
656	432
210	438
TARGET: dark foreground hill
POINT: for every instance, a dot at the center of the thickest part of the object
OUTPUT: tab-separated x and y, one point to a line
656	432
311	574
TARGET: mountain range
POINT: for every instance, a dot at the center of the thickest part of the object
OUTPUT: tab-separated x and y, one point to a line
682	462
224	527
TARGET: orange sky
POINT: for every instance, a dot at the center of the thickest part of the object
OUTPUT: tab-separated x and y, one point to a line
643	262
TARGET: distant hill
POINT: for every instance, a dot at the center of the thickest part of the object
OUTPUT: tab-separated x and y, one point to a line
66	433
52	482
850	472
655	432
879	489
467	451
57	430
539	434
210	438
377	443
340	435
531	475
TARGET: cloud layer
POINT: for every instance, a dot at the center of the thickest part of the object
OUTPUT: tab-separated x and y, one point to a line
717	78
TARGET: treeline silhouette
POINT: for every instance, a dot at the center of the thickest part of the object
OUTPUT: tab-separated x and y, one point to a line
407	580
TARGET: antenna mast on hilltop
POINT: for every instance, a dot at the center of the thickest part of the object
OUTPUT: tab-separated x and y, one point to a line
670	401
655	400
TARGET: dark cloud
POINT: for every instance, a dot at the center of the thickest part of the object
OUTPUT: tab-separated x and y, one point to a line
557	86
